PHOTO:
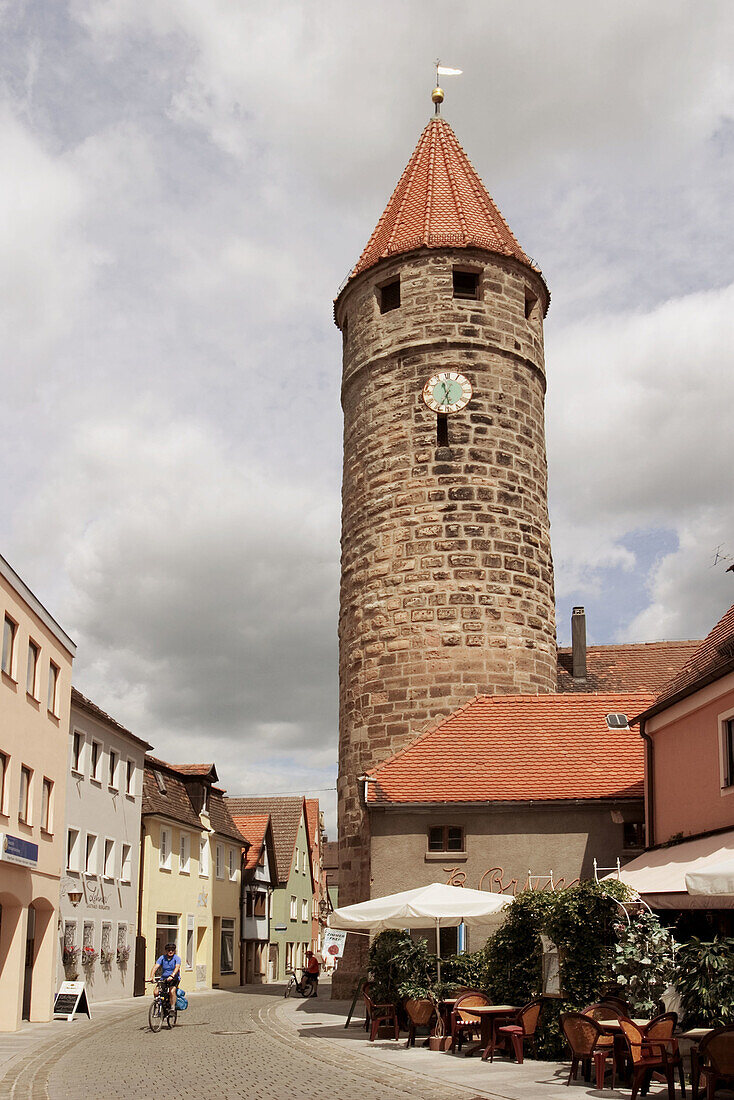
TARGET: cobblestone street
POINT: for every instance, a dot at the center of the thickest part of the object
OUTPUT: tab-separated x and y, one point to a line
232	1044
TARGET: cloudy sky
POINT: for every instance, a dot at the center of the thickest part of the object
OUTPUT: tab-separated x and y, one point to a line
183	188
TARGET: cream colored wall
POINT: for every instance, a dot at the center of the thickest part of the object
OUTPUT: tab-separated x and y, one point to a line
31	736
226	905
204	897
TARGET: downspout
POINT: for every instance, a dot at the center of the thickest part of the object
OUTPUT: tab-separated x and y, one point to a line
140	968
650	792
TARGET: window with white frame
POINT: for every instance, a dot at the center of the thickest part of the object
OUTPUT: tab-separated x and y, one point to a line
10	630
220	861
126	863
190	936
73	850
31	677
164	850
90	854
130	777
297	858
232	864
77	747
25	795
4	767
166	931
95	760
47	794
727	752
226	957
184	854
53	688
294	908
204	857
108	865
114	760
304	909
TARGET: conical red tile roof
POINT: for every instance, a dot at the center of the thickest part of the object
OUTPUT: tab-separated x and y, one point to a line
439	202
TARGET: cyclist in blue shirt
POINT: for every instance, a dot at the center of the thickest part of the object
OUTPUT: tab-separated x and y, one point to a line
169	965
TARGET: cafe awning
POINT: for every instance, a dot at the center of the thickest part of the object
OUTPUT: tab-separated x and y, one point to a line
694	874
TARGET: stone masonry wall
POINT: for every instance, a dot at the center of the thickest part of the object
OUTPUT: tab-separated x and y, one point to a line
447	577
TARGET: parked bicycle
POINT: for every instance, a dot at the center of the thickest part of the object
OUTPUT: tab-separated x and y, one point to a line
299	985
160	1009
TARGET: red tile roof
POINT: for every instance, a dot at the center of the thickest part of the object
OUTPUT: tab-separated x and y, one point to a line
253	828
519	748
644	666
312	820
176	800
711	659
439	202
285	816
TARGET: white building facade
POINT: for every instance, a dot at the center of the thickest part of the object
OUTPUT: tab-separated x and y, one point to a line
99	887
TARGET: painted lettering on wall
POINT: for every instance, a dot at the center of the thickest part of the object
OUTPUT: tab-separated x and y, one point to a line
494	882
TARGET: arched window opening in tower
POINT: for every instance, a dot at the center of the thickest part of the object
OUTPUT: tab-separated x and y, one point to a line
466	284
389	295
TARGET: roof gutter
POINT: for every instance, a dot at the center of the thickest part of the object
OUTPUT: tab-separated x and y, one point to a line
649	784
703	681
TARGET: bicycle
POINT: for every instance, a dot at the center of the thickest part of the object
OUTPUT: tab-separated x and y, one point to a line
306	989
160	1009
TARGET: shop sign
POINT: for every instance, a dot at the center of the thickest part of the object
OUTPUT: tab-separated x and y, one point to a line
494	881
13	849
71	999
333	944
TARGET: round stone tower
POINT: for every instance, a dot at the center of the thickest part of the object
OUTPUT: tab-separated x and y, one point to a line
447	576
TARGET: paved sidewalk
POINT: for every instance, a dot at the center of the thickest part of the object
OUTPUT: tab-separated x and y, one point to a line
321	1023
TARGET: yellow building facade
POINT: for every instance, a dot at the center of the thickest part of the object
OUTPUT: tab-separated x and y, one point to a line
190	879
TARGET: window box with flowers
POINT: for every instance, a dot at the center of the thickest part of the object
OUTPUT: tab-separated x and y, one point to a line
106	958
89	957
70	956
123	954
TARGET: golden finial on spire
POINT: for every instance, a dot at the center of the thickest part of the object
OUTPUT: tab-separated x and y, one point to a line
437	93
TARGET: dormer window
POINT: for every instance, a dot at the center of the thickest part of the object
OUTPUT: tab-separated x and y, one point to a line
389	295
466	284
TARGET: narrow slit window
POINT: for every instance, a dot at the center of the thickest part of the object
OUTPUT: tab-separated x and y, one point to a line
531	303
442	430
389	295
466	284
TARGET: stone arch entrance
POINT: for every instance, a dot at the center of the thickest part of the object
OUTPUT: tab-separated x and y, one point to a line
38	960
12	954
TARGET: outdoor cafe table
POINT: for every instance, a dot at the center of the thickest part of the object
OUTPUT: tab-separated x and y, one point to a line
490	1017
614	1025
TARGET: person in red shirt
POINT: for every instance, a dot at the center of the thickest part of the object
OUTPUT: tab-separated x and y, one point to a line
313	970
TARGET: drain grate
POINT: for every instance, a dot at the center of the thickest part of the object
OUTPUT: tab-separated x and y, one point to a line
232	1032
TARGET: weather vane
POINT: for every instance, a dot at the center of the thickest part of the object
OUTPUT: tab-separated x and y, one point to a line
437	93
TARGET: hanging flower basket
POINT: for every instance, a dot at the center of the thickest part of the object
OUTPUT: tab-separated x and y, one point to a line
107	958
123	954
89	956
70	955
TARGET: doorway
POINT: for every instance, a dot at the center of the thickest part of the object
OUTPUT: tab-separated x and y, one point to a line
30	955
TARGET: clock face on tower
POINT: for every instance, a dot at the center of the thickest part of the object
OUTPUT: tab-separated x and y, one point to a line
447	392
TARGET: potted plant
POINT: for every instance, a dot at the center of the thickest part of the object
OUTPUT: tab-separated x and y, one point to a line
439	1040
419	1005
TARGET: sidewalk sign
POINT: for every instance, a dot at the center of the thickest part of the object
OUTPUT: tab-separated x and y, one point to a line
70	1000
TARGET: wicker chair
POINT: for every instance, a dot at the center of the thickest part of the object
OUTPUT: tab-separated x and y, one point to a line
648	1056
661	1030
714	1061
463	1022
588	1042
420	1014
385	1015
605	1010
524	1026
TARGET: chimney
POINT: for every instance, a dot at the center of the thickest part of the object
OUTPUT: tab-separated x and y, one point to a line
578	643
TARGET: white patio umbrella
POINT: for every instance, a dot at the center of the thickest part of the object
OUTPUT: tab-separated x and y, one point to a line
438	904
